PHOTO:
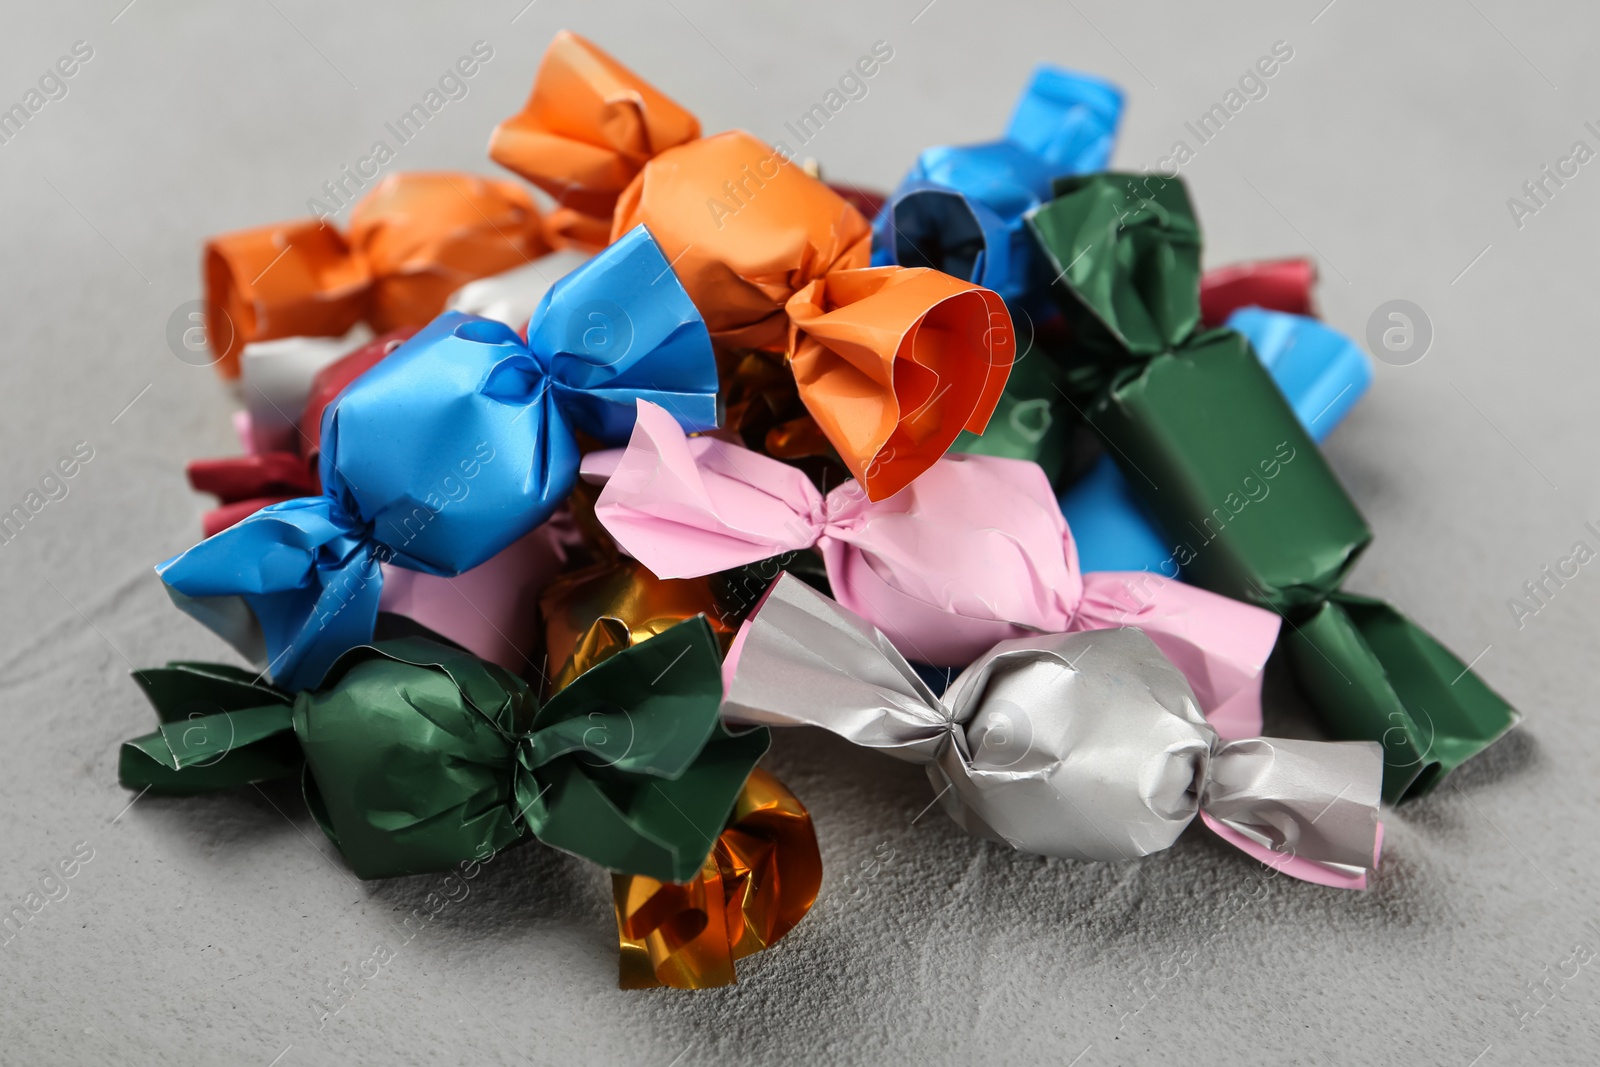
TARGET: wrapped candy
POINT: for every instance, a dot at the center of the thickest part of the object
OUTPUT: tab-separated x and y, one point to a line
892	363
1205	438
960	209
490	610
761	878
972	553
413	240
1321	373
762	875
1080	746
457	444
418	757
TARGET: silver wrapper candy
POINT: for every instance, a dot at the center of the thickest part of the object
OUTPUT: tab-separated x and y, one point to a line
1085	746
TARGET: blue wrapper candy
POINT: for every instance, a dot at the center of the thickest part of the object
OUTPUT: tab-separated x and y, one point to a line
960	208
457	444
1322	374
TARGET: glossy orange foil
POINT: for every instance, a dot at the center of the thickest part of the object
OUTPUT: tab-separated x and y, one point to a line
423	235
759	881
286	279
587	128
413	240
894	362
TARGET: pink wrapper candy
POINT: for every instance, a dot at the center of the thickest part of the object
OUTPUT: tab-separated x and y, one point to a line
974	552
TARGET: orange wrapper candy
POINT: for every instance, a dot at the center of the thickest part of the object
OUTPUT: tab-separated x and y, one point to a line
288	279
892	362
759	881
588	127
413	240
425	235
762	248
886	362
744	231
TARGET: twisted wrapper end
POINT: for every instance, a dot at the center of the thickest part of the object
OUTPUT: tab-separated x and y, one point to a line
764	870
316	287
630	766
423	235
1305	808
412	241
894	362
759	881
691	506
588	127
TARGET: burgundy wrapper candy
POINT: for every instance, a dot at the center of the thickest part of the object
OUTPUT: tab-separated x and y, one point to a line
972	553
1274	284
236	478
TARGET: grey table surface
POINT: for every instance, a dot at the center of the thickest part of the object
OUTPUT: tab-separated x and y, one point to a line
208	931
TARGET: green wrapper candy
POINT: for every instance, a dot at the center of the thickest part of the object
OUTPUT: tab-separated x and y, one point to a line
1250	505
417	756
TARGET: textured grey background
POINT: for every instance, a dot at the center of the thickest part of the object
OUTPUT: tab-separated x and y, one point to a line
206	931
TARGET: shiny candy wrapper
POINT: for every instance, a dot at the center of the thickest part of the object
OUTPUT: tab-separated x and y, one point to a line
456	445
960	209
892	363
1321	373
412	241
417	756
763	873
1234	480
590	613
1079	746
972	553
760	880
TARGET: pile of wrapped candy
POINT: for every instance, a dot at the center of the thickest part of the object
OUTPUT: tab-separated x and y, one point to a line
549	514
